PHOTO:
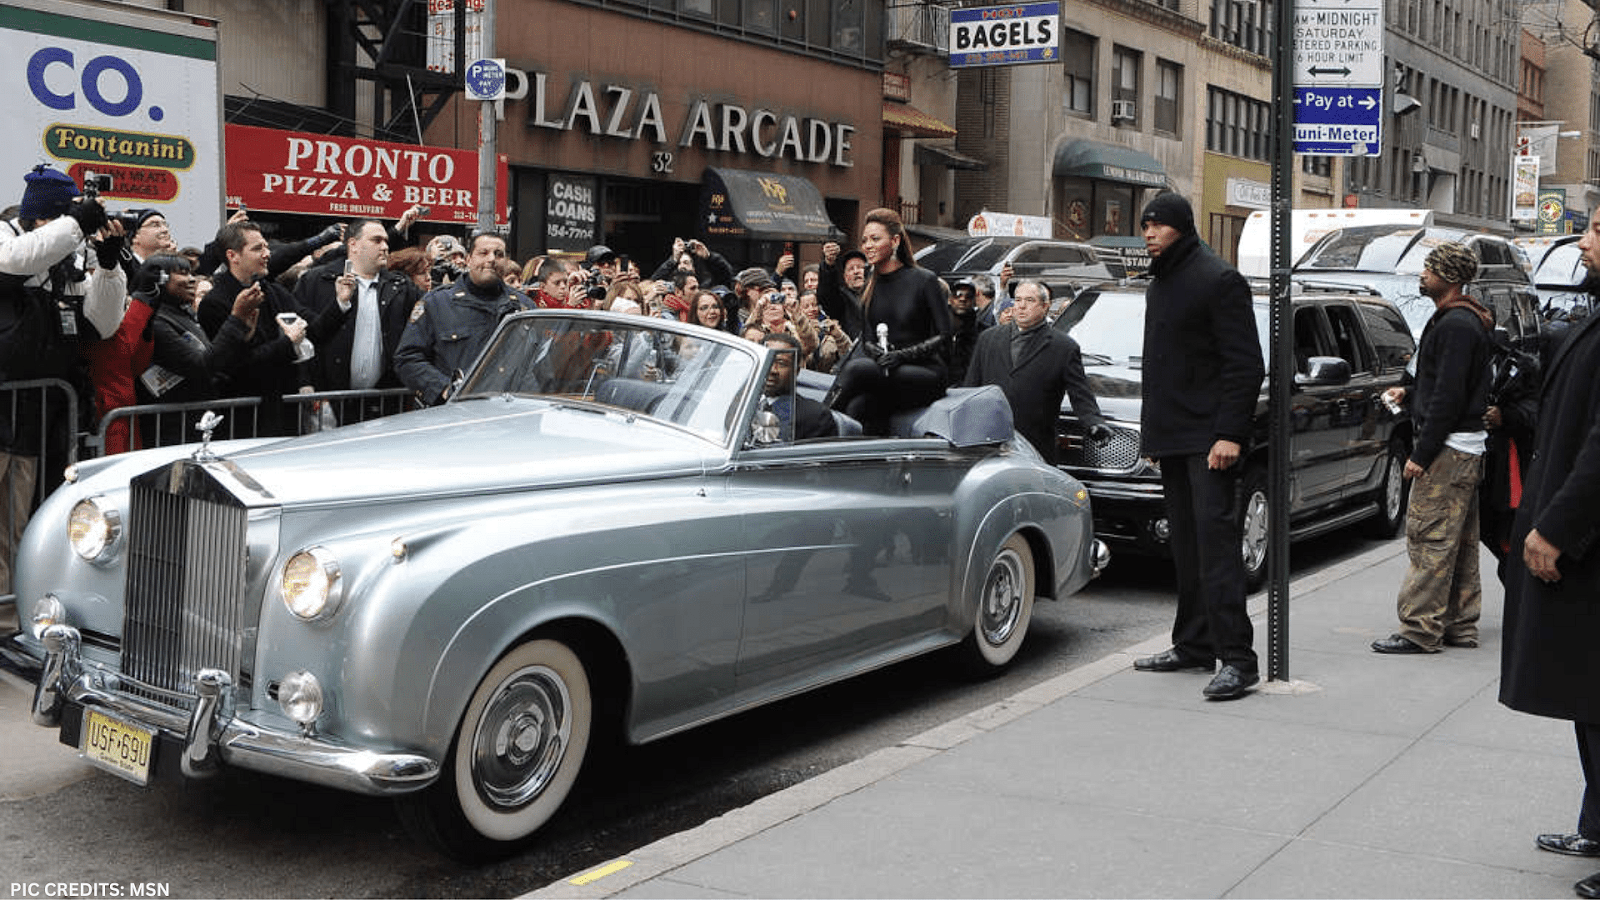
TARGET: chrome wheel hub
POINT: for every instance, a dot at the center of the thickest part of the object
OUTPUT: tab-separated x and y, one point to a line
1255	530
1002	601
521	737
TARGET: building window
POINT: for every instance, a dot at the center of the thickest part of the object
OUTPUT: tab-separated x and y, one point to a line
703	8
1125	85
761	15
1316	165
1077	58
1169	93
1246	24
1237	125
847	34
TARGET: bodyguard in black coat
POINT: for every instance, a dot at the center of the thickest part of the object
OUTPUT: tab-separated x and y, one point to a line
1202	377
1035	366
1549	663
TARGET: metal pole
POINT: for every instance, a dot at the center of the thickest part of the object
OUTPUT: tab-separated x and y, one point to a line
486	132
1280	373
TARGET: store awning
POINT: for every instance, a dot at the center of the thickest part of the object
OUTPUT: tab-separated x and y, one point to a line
908	120
1108	162
747	205
935	155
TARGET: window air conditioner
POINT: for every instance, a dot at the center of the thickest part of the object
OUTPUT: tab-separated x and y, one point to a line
1122	110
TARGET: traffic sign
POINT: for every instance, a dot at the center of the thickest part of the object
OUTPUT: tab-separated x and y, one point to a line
486	79
1338	121
1338	43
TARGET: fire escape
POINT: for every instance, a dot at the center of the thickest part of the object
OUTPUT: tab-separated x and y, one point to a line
382	80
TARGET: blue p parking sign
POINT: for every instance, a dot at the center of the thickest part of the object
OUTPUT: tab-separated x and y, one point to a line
486	79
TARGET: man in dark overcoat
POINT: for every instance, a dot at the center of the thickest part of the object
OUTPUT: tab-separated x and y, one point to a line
1549	663
1035	366
1202	377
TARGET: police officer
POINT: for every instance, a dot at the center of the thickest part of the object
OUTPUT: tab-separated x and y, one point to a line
450	325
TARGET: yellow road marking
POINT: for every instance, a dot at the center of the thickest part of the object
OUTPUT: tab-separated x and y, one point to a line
609	868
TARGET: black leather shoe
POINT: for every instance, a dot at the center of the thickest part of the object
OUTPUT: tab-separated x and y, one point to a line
1171	661
1230	684
1394	643
1569	844
1589	887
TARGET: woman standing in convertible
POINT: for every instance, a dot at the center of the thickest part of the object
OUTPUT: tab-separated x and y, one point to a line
903	302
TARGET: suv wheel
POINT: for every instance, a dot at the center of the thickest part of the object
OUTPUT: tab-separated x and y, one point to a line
1253	523
1393	492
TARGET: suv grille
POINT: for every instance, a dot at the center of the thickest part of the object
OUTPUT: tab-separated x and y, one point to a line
1120	454
186	580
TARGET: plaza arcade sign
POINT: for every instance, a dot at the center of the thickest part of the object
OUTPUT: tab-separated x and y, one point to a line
627	113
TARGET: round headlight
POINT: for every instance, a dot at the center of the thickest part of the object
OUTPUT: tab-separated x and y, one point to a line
300	697
47	611
93	529
311	586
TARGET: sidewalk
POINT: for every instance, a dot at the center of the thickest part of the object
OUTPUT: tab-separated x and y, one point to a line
1365	776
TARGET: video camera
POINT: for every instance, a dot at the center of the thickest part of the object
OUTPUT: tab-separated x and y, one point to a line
93	184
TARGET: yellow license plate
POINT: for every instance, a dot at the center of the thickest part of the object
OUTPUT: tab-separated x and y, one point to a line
120	747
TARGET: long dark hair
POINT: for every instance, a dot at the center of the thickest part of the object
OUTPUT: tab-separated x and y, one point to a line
890	220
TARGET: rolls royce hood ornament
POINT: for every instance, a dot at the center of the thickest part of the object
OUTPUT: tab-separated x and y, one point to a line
207	424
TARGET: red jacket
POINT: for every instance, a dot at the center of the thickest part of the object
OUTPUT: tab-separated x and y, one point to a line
115	365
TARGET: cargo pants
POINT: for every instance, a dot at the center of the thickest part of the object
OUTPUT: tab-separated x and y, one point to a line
1441	597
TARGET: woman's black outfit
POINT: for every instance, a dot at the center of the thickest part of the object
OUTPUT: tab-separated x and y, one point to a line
185	366
874	383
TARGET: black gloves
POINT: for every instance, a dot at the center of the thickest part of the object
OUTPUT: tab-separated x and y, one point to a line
91	216
109	251
872	351
327	235
1098	433
922	351
146	286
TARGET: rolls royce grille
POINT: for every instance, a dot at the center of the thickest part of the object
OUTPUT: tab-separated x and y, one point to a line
186	579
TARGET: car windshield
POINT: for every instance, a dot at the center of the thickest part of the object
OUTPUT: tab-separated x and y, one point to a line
978	255
1560	267
1109	327
679	378
1376	248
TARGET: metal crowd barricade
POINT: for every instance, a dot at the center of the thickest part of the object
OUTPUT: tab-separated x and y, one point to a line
322	410
168	424
40	435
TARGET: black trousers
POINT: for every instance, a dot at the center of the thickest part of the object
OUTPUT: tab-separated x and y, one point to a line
1589	757
869	394
1206	539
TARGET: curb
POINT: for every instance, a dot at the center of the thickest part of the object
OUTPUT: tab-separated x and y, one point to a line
674	851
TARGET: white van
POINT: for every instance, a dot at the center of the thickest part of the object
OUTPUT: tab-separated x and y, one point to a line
1305	227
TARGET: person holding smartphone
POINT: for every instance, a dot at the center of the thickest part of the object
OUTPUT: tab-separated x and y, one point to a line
360	354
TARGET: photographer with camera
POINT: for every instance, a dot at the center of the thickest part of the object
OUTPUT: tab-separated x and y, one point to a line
52	297
689	255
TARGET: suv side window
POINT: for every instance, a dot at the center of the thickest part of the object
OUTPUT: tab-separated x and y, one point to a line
1391	337
1310	338
1347	341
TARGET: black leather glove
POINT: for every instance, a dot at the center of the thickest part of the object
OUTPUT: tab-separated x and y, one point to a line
109	251
146	286
328	235
1098	433
91	216
872	351
922	351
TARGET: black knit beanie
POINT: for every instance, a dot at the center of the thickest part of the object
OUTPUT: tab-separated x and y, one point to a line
1170	209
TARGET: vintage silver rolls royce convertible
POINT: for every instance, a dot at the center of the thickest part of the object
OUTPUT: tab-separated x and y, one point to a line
607	529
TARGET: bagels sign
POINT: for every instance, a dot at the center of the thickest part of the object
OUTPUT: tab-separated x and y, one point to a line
1005	35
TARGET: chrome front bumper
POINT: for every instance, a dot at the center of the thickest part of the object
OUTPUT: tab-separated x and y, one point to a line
213	736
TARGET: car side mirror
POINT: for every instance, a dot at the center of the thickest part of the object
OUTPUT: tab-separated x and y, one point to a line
1324	370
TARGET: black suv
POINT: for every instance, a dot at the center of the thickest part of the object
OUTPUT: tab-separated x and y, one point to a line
1348	450
1388	259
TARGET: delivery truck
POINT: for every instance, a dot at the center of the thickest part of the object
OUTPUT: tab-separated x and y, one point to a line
1306	226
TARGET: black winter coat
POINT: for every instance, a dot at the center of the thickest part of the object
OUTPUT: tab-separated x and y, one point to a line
1051	367
1549	665
1202	360
397	295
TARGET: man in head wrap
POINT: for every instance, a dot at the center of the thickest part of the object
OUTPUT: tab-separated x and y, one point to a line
1440	599
1202	377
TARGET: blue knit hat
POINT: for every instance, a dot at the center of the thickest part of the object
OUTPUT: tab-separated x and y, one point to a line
48	194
